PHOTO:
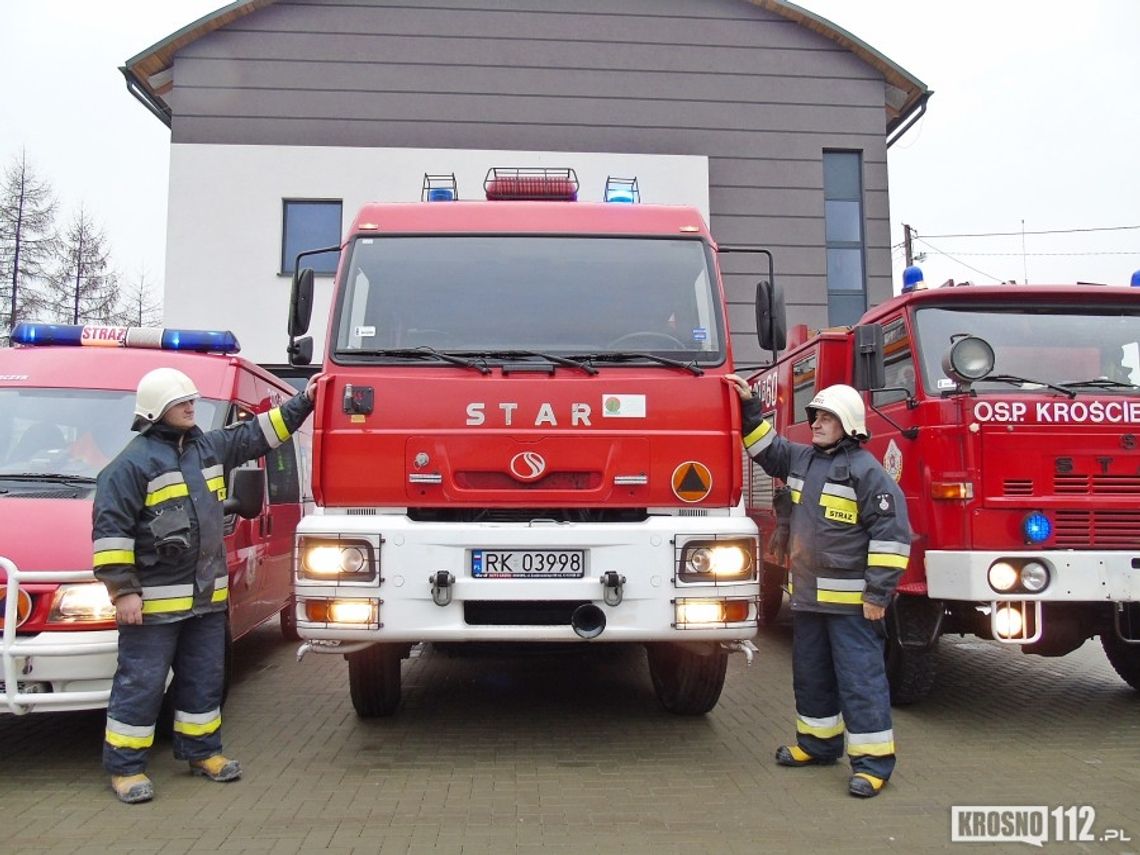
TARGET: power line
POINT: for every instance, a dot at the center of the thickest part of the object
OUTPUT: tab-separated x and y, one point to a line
959	261
1020	254
1040	232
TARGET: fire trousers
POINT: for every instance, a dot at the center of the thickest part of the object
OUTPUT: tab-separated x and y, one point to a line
840	683
196	649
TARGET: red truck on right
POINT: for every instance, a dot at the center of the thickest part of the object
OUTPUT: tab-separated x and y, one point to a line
1010	417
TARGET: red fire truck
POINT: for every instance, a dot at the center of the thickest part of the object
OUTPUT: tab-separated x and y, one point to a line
1009	415
523	436
65	411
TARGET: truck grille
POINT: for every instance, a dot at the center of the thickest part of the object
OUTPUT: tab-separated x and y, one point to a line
551	481
1096	485
1017	488
1099	528
519	612
526	515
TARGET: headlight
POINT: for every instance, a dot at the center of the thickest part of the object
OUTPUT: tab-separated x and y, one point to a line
718	561
86	602
360	613
1003	576
337	561
1034	577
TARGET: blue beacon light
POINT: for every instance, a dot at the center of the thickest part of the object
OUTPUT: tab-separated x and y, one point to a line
1036	527
93	335
913	279
1136	279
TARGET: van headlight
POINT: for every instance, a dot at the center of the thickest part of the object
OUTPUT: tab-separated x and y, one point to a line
325	560
85	602
714	561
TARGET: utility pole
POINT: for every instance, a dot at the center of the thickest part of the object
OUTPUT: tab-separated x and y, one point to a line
908	244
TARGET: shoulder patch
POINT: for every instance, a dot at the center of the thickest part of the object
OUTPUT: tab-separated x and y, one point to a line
885	504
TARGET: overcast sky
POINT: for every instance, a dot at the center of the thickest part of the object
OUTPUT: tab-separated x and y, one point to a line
1034	126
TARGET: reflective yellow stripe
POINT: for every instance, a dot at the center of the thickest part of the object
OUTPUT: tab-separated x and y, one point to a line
883	559
823	732
166	493
838	508
220	596
172	604
796	496
218	486
871	749
877	783
115	556
851	598
189	728
120	740
278	424
758	434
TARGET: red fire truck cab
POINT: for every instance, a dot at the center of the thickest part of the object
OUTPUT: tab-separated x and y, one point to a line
523	435
65	412
1010	417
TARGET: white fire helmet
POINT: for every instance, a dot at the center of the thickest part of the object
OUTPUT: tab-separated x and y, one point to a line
845	404
158	391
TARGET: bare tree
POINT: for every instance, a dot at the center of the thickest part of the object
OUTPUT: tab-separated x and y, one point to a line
27	238
81	287
139	307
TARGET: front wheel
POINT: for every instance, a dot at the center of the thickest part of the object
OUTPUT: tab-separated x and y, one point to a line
374	680
911	649
687	682
1124	657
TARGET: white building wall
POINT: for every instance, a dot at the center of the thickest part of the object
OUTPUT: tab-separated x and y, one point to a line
225	222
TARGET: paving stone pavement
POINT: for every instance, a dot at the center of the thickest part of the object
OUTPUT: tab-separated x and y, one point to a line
498	750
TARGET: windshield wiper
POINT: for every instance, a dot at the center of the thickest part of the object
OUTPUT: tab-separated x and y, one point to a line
54	477
629	356
1013	378
521	354
423	352
1101	383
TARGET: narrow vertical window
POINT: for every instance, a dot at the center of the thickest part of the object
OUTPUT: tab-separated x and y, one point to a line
310	224
843	229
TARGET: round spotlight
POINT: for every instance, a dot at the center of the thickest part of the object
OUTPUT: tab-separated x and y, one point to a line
701	560
970	358
352	560
1007	622
1034	577
1036	527
1003	577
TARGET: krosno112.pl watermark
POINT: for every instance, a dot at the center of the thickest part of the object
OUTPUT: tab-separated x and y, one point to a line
1032	824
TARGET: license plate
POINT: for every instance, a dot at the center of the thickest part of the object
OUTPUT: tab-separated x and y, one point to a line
528	563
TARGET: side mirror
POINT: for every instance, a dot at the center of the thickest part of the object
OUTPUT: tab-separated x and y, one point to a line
247	493
771	317
301	351
301	302
869	368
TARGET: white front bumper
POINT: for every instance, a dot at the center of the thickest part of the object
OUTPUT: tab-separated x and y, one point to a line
411	553
1085	576
58	671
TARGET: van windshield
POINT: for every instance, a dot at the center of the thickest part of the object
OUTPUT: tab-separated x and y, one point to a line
73	432
1043	344
559	295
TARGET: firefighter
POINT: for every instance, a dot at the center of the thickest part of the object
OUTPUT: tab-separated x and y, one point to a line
158	526
849	543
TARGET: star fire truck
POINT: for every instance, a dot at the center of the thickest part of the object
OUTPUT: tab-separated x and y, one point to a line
1009	415
522	435
67	397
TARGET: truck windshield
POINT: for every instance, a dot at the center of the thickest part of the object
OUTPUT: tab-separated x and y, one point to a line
1084	349
72	432
483	294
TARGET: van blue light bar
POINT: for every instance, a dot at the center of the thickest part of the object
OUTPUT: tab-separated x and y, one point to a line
440	188
622	190
156	338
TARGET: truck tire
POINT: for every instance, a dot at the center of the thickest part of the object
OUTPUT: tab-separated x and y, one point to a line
686	682
289	621
374	680
910	671
771	595
1124	657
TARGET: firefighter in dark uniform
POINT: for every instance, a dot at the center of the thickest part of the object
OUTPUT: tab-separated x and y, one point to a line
158	527
849	544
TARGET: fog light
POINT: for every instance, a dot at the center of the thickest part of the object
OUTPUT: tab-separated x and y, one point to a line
1034	577
1007	621
700	611
1003	577
352	611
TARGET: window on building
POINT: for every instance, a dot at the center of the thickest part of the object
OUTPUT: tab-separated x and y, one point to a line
898	361
843	230
310	224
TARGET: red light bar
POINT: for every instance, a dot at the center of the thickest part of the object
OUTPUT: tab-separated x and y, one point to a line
531	184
